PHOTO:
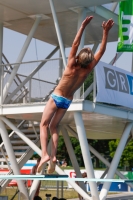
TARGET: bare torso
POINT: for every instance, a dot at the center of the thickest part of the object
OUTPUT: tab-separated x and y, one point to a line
71	80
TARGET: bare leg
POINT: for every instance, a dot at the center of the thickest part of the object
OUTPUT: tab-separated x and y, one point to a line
54	132
48	113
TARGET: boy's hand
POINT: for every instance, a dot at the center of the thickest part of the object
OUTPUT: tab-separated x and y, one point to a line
107	25
86	21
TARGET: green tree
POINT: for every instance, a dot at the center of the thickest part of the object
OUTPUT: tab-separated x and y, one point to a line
102	146
126	160
77	150
62	150
63	154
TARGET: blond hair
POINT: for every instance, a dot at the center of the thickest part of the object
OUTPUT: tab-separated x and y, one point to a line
85	56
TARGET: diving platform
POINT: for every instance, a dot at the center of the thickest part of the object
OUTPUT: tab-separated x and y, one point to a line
101	121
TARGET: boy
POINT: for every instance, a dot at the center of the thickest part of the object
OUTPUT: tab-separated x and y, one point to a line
77	70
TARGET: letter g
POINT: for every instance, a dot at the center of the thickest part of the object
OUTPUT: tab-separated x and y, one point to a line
111	79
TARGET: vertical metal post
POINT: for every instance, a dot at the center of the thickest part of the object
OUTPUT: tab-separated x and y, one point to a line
25	96
19	196
57	190
3	153
35	183
21	55
58	32
1	67
94	77
115	160
81	16
72	156
30	83
14	164
60	65
62	185
87	92
86	153
94	86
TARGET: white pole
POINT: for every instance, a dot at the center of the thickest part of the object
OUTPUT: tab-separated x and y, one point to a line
115	160
10	153
88	91
21	55
94	76
94	86
72	156
60	65
35	183
86	153
1	67
58	32
30	86
3	153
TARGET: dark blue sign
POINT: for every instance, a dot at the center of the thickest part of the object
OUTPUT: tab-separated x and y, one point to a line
115	187
119	187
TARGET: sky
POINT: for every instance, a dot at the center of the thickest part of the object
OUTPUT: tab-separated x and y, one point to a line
38	50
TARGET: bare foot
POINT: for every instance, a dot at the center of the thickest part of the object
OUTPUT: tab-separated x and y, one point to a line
43	160
51	167
53	159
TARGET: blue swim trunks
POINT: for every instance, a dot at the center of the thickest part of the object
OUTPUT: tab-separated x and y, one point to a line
61	102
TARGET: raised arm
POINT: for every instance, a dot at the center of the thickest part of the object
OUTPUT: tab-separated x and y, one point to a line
77	39
106	28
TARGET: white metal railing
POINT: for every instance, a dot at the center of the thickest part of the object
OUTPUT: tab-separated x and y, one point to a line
34	81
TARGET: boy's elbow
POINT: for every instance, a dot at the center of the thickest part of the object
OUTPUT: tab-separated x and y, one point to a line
102	50
75	44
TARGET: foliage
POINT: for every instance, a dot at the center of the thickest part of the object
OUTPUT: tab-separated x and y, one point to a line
77	150
101	146
62	153
127	155
87	83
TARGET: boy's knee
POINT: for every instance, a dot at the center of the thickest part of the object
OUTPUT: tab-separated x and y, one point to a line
53	127
44	124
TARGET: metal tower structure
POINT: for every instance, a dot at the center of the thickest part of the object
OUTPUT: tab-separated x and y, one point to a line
56	22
